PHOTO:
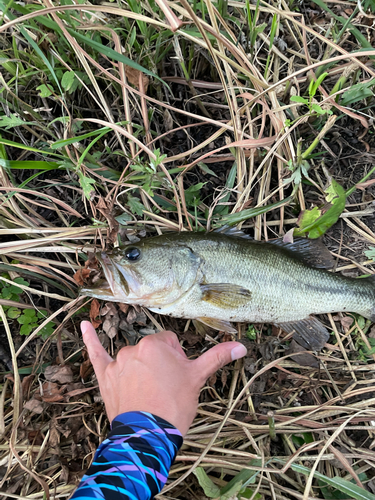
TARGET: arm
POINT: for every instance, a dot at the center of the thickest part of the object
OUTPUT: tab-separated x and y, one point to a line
151	396
134	461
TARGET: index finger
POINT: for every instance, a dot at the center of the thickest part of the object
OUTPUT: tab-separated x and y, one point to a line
99	357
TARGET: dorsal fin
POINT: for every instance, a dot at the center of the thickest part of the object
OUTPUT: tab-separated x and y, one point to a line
232	231
312	252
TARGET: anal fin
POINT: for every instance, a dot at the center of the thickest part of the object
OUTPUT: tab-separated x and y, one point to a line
218	324
309	333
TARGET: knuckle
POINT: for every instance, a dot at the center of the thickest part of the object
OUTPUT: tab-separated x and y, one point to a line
145	346
122	354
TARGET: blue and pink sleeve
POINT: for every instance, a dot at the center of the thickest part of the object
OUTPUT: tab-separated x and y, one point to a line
134	461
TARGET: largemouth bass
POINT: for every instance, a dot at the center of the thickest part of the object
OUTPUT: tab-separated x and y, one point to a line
223	277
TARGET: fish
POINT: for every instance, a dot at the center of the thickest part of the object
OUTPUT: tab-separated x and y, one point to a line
222	277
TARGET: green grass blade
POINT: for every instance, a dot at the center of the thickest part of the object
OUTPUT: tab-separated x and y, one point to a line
29	148
29	165
355	32
66	142
113	54
233	219
347	487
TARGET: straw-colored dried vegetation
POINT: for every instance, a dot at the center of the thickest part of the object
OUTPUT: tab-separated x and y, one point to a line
129	118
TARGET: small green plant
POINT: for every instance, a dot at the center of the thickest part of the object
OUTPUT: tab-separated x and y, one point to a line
28	319
236	488
315	222
151	177
12	292
192	194
299	171
314	108
254	29
251	333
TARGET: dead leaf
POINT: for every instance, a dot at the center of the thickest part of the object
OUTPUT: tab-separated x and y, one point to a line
168	120
227	337
346	322
26	383
74	451
35	437
190	338
132	316
92	261
124	307
133	77
81	434
61	374
109	309
249	365
51	392
94	313
85	370
113	225
81	276
224	377
54	439
288	236
110	326
64	476
35	406
78	392
212	380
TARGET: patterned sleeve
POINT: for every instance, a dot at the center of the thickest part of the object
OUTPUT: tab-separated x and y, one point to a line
134	461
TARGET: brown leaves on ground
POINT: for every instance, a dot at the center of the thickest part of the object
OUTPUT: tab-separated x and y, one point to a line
89	274
62	374
105	208
81	276
112	320
85	369
94	313
134	75
58	387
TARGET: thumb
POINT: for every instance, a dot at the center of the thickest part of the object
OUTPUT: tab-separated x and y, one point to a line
99	357
217	357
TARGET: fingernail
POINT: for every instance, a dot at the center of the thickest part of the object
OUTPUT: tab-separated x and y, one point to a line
238	352
85	325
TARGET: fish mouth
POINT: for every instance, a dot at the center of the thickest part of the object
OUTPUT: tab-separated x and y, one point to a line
115	275
114	287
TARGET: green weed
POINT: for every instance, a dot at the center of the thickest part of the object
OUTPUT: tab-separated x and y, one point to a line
28	319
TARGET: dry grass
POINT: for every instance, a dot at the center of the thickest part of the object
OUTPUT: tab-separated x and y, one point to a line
283	421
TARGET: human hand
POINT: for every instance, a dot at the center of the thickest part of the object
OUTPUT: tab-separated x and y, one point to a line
155	375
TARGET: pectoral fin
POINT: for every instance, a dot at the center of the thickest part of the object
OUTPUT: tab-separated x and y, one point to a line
218	324
309	333
225	295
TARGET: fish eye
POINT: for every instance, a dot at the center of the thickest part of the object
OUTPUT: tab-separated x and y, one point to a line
133	254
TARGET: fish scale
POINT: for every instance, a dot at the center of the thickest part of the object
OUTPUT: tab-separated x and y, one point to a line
220	277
